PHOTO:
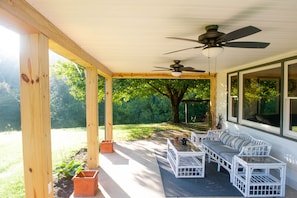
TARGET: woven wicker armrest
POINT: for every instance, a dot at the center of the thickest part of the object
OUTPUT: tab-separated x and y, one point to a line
213	135
255	150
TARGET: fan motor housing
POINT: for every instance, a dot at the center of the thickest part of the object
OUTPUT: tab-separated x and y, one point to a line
211	35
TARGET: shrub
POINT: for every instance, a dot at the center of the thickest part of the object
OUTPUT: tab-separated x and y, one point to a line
69	169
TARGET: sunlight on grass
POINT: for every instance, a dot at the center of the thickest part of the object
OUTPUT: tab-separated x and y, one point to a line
139	131
11	166
65	143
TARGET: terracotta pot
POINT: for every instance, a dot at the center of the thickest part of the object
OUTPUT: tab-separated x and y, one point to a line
106	146
85	183
176	140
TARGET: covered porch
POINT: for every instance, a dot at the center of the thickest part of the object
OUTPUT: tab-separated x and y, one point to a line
122	172
38	35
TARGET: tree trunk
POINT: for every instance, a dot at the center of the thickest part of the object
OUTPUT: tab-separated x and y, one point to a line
175	100
175	94
175	113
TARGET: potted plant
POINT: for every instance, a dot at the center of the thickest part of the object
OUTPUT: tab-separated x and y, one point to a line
85	183
69	169
106	146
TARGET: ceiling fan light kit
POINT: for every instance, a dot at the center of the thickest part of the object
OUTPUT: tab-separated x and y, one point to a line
211	52
177	69
213	41
176	73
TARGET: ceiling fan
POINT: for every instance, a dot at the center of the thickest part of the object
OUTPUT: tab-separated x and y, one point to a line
177	68
213	41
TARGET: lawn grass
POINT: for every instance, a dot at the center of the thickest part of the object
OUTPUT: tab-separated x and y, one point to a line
11	166
65	143
139	131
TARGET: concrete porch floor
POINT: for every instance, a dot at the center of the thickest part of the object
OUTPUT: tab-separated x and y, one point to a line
132	171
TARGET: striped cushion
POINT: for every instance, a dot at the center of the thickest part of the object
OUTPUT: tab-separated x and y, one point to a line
246	142
224	137
237	142
230	140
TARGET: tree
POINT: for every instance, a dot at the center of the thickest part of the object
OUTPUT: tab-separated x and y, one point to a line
65	110
74	76
153	109
175	90
9	94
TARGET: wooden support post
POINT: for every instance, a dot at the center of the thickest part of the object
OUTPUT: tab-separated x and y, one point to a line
108	108
186	113
92	117
35	115
213	97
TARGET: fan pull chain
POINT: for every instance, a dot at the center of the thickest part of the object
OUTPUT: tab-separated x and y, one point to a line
209	66
215	65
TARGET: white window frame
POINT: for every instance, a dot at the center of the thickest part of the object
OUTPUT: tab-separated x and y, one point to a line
286	110
230	106
265	127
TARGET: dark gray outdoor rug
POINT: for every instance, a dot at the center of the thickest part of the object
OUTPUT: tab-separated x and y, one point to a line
213	184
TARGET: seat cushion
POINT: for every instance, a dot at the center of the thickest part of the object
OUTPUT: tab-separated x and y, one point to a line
218	147
211	143
228	156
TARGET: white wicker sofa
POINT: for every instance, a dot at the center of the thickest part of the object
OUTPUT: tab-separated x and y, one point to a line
221	147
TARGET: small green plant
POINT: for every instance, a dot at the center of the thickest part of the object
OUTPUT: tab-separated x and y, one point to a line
69	169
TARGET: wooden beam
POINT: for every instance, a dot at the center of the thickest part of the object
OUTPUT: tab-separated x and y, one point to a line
23	16
79	58
92	117
163	75
13	23
35	115
108	109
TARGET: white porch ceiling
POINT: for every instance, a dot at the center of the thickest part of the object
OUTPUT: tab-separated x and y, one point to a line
130	36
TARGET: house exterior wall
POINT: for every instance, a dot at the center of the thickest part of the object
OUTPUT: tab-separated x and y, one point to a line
282	148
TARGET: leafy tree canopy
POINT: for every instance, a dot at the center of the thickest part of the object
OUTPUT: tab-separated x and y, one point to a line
125	89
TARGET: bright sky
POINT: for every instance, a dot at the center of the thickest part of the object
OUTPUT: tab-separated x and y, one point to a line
9	45
9	42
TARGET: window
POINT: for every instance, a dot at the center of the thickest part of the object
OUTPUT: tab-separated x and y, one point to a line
290	98
265	98
233	97
260	101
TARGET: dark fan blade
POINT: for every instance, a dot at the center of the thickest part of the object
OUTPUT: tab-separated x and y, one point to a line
197	70
187	68
191	69
162	69
246	44
183	49
242	32
194	70
184	39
